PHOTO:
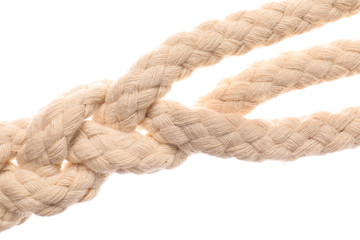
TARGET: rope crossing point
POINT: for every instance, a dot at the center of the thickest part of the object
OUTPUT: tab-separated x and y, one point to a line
43	183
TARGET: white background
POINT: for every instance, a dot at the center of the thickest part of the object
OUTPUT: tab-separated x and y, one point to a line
49	47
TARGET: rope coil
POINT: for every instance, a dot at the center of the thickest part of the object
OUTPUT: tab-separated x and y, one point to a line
62	158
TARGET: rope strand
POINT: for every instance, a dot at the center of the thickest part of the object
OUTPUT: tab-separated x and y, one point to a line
290	71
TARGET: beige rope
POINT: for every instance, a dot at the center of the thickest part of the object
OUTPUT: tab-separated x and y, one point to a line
43	183
293	70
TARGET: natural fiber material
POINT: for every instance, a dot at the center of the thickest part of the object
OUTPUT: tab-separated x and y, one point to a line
62	158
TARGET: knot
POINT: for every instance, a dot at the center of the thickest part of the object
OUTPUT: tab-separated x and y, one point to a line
63	158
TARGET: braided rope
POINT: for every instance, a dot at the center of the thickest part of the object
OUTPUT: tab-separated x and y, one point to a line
43	183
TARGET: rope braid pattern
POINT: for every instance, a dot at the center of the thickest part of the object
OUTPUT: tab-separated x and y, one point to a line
42	182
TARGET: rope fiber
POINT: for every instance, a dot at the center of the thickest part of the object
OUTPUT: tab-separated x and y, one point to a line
62	158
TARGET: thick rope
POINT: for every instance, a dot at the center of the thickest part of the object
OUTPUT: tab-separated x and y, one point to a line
150	78
293	70
62	158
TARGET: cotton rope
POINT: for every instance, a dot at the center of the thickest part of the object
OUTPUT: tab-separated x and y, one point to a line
43	183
